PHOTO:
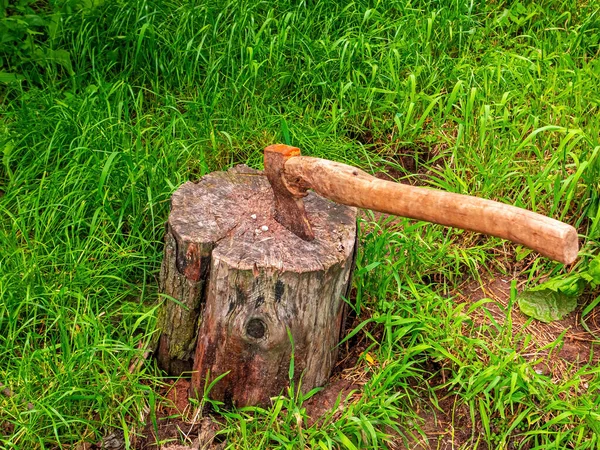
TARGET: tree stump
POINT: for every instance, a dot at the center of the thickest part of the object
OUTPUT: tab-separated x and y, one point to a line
245	295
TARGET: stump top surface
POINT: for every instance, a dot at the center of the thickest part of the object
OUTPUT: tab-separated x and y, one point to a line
232	213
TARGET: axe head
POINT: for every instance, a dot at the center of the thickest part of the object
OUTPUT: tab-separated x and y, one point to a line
289	206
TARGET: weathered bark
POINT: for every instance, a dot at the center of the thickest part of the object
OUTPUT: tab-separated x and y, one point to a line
252	289
182	279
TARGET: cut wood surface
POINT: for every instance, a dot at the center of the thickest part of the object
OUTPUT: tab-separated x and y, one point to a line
245	290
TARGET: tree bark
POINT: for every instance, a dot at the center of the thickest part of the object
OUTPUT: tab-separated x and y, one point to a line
245	296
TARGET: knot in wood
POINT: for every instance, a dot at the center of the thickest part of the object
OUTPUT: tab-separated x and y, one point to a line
256	328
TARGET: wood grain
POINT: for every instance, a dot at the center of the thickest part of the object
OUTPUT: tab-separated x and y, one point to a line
351	186
240	281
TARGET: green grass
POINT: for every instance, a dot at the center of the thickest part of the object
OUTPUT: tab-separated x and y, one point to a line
499	101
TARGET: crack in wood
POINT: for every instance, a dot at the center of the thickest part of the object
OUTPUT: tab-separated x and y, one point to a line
252	289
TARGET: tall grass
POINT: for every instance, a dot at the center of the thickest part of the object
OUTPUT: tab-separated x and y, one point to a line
498	100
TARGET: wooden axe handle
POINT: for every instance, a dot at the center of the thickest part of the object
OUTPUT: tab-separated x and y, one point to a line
351	186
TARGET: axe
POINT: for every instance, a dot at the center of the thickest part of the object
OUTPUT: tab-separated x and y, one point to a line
291	175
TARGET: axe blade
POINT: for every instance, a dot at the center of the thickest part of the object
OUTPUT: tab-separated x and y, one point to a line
289	206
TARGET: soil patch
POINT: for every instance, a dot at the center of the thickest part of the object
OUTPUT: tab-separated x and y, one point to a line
446	429
556	349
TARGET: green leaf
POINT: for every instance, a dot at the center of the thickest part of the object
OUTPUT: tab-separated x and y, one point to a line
588	309
7	77
522	252
593	420
88	5
347	442
285	132
594	269
54	23
546	305
60	57
63	58
572	285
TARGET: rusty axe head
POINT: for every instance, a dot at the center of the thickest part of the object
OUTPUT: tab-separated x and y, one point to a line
289	206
